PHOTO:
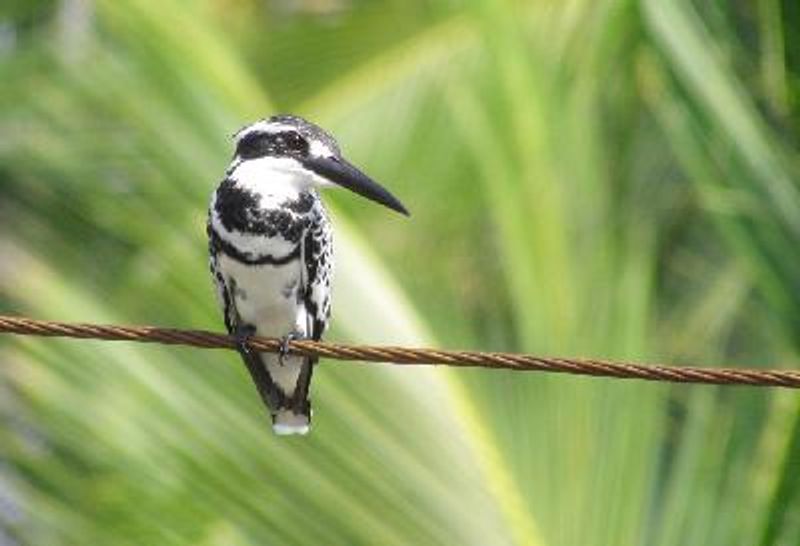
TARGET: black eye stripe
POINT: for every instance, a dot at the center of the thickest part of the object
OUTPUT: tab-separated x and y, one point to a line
253	145
280	144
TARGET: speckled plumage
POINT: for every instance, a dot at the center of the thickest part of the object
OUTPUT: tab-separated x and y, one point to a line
308	230
271	259
271	248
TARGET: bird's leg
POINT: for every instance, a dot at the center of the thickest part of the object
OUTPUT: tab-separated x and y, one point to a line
283	348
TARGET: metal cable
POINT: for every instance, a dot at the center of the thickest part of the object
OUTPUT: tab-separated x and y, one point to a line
405	355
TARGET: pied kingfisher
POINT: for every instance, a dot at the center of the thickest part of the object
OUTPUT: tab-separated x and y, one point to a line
271	247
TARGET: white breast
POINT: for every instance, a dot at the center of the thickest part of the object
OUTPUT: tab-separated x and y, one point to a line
266	295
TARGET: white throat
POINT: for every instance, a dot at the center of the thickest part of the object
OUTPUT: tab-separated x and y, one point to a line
275	179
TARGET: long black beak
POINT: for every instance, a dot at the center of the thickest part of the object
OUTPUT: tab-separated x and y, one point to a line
341	172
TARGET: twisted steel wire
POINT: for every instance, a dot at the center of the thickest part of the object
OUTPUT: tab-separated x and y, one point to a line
406	355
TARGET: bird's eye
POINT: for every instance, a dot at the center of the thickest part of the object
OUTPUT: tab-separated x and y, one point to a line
294	143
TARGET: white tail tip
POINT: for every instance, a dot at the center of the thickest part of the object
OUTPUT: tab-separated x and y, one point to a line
286	422
286	430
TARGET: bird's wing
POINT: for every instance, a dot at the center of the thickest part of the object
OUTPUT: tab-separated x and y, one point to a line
318	256
221	288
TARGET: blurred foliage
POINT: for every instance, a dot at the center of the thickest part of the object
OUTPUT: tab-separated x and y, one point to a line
610	178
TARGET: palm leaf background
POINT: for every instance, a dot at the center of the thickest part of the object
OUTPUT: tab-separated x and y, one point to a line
606	178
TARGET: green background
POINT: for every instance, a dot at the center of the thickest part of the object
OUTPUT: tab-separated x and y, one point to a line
608	178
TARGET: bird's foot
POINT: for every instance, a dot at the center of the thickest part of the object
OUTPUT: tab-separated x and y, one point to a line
242	334
283	349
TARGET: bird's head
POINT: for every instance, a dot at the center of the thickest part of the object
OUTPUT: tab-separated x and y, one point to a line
287	149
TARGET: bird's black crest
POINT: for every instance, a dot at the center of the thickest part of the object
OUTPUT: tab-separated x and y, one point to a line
307	129
292	140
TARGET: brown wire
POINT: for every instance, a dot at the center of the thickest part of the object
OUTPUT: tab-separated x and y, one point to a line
406	355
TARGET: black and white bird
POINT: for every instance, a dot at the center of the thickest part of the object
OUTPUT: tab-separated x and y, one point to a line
271	247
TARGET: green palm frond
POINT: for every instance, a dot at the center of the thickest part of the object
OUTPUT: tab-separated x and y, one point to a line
593	178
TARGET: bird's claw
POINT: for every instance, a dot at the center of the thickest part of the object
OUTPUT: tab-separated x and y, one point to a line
243	333
283	348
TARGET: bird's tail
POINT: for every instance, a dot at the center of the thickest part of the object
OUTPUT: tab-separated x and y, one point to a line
289	421
292	413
